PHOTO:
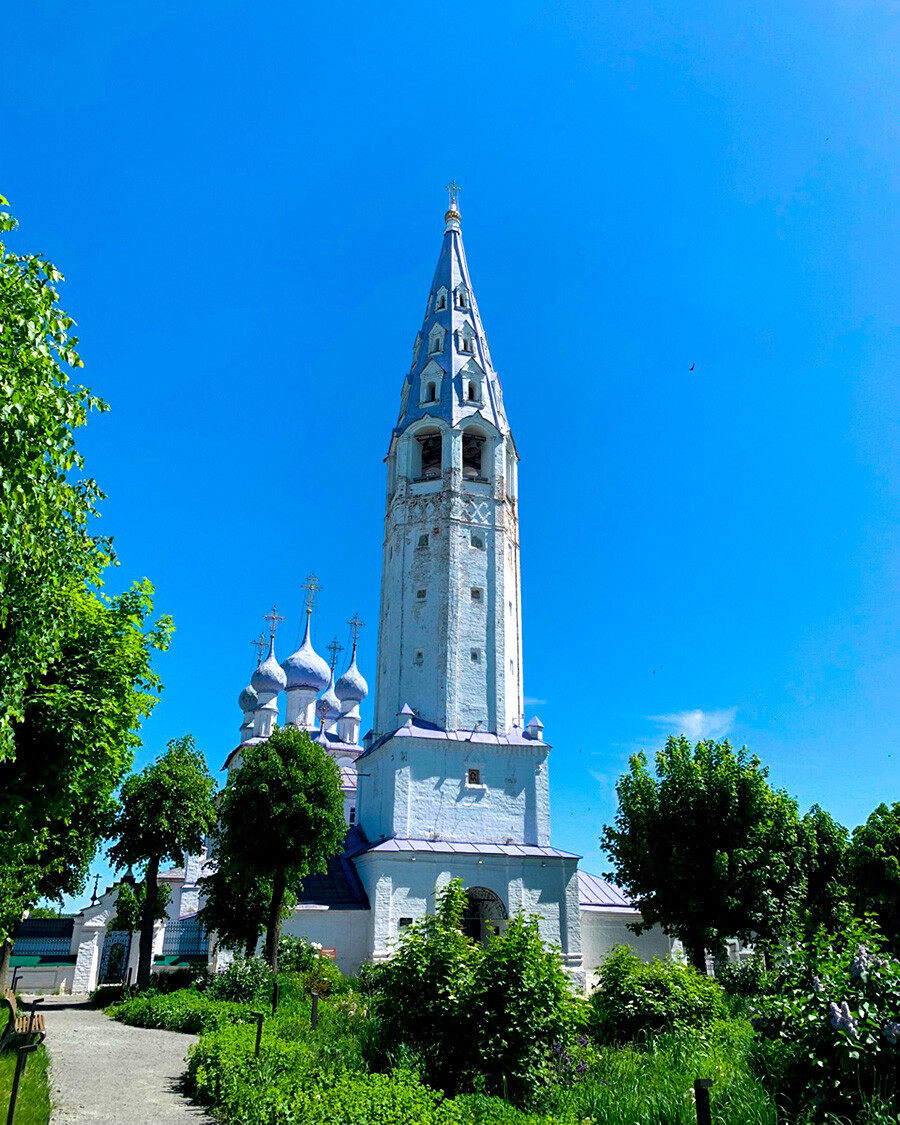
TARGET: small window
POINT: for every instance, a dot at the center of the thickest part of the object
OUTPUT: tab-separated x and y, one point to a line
477	542
476	594
465	345
423	540
420	595
420	656
461	299
353	814
510	607
472	392
511	668
440	304
473	777
431	392
475	656
404	923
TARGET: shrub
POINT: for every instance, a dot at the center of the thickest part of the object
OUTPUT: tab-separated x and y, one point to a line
296	954
187	1011
829	1026
634	999
245	980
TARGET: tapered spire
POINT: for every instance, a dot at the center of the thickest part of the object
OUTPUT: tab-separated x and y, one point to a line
451	376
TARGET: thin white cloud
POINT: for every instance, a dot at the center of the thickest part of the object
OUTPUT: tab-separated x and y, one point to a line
698	724
533	702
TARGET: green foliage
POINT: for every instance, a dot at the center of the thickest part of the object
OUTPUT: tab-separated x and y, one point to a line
825	845
745	979
634	1000
873	870
44	912
471	1015
829	1025
281	818
47	552
186	1010
74	744
706	848
245	980
167	811
316	971
236	905
33	1105
131	902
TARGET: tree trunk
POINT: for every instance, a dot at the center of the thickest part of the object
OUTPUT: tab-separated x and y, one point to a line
273	925
5	954
148	920
697	953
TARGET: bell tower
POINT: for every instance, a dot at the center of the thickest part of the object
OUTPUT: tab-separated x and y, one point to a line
450	629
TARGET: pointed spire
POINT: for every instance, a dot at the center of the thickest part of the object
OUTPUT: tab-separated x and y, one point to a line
452	377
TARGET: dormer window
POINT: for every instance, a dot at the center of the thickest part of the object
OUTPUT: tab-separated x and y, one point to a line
472	394
436	341
430	392
462	300
466	345
440	303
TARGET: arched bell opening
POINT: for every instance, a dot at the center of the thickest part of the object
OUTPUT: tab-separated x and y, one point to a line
473	448
484	916
429	448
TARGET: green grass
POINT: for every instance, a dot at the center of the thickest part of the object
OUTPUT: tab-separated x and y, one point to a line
33	1106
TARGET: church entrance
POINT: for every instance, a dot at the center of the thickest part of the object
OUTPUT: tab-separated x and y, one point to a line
485	914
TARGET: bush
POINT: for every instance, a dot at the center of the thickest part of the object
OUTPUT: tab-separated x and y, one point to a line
247	979
296	954
829	1026
634	999
744	979
187	1011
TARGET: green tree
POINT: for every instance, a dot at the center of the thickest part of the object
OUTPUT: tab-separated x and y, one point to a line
46	550
281	818
131	904
824	843
873	869
167	810
706	848
236	906
74	743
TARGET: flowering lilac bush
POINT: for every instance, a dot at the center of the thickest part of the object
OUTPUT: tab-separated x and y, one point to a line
829	1025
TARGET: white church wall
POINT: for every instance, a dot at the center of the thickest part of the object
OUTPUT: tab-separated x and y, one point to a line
347	932
422	789
602	930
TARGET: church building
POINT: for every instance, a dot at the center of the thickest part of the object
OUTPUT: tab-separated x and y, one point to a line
451	782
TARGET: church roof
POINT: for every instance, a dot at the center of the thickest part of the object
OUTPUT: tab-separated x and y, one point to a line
416	727
340	887
451	347
595	894
459	847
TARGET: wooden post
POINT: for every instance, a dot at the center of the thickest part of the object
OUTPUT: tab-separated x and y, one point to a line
21	1058
701	1094
314	1015
259	1017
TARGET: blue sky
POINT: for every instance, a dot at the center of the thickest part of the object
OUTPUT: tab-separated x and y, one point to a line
681	221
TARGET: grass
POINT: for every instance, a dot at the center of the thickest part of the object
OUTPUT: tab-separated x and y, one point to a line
33	1106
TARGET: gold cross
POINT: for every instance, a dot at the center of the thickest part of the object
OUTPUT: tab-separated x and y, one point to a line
260	645
355	624
335	647
273	618
454	189
312	586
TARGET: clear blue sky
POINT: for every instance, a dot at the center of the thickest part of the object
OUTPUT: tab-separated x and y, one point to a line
681	220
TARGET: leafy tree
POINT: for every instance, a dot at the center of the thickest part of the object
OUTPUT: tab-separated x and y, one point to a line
236	905
167	811
706	848
873	869
281	818
46	549
825	845
74	743
131	904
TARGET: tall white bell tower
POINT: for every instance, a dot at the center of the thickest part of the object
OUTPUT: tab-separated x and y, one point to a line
450	631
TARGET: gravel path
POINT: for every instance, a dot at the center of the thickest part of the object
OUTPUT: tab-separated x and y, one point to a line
105	1073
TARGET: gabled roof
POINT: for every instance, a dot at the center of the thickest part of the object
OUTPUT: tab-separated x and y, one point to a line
340	887
458	847
595	894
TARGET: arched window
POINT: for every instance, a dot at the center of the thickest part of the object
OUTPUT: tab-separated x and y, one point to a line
440	303
430	392
429	445
472	456
472	392
461	298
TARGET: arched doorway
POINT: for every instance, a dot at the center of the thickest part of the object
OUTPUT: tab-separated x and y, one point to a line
485	914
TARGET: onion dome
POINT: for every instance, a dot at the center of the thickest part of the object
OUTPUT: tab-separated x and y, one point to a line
352	687
248	699
329	706
268	677
305	668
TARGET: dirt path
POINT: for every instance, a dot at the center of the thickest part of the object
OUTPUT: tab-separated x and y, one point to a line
105	1073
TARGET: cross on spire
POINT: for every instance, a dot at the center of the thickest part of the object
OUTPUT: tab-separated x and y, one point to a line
312	586
454	189
259	643
334	648
273	618
355	626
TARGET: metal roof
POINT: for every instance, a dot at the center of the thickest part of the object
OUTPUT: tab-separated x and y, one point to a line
595	893
458	847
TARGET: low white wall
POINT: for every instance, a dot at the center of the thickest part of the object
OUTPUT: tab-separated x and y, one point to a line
348	932
602	930
42	978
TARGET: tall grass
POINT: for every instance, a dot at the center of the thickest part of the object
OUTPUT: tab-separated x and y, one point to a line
33	1106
